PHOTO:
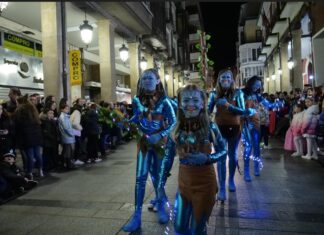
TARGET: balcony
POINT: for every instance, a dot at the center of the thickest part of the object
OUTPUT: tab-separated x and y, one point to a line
194	57
194	38
157	36
291	9
194	20
134	15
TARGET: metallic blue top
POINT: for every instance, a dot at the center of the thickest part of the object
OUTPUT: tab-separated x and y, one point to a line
214	137
238	98
150	125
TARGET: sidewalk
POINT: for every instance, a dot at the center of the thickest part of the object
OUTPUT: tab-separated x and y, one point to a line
288	198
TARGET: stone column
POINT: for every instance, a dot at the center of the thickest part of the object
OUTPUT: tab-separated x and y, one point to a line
170	81
52	49
150	64
106	35
176	82
133	66
286	74
297	70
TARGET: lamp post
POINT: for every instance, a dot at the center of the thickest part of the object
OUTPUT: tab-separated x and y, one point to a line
86	31
3	5
143	63
123	53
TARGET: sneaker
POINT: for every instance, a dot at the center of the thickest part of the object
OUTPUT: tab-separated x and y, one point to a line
315	157
296	154
30	176
41	173
98	160
78	163
307	157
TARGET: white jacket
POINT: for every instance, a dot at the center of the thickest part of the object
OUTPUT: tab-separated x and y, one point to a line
76	120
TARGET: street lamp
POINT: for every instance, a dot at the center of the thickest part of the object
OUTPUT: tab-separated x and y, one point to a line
290	64
3	5
268	79
143	63
311	77
123	53
273	76
86	31
167	76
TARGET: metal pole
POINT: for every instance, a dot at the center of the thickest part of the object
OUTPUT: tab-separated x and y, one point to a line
63	28
280	63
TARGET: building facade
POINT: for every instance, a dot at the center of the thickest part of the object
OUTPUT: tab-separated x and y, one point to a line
291	39
40	42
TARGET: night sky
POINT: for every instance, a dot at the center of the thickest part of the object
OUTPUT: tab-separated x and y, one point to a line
221	22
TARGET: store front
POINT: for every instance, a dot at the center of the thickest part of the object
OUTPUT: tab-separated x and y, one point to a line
20	65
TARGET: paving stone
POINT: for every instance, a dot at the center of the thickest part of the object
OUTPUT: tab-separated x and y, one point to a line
99	199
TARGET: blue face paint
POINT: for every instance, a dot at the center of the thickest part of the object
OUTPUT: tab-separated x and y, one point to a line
149	81
256	86
191	103
226	79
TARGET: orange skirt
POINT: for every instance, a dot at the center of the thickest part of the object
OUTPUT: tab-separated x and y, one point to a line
198	187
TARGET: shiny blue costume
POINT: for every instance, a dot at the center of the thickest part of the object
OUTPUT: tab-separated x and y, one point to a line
251	131
184	208
167	162
150	157
236	108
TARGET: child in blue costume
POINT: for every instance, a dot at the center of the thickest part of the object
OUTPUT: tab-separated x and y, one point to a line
251	126
230	107
196	137
155	118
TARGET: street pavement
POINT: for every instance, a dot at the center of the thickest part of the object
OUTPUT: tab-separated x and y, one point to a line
288	198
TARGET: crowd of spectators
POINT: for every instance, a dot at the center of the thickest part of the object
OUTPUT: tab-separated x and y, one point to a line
55	138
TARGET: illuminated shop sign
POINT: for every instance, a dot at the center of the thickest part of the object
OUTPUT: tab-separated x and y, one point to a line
21	45
18	44
75	67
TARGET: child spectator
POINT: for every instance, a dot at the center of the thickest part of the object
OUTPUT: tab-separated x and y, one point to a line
67	135
296	126
14	175
264	124
50	140
309	125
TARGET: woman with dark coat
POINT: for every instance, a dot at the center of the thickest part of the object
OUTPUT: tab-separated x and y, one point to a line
29	136
92	131
6	132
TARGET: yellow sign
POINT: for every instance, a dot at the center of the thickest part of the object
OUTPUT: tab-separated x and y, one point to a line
75	67
18	44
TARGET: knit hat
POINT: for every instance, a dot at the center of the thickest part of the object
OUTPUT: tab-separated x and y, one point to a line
9	154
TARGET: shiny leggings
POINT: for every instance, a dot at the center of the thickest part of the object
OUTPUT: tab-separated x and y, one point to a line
232	146
167	162
251	140
183	214
147	162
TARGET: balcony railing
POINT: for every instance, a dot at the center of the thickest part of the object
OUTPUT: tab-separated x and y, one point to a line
158	22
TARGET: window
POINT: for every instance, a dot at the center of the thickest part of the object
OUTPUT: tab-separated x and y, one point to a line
254	54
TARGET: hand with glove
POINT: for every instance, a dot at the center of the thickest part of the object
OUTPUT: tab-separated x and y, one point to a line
251	112
221	102
153	139
196	158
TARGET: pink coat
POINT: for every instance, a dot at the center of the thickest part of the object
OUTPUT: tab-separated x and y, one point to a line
310	120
